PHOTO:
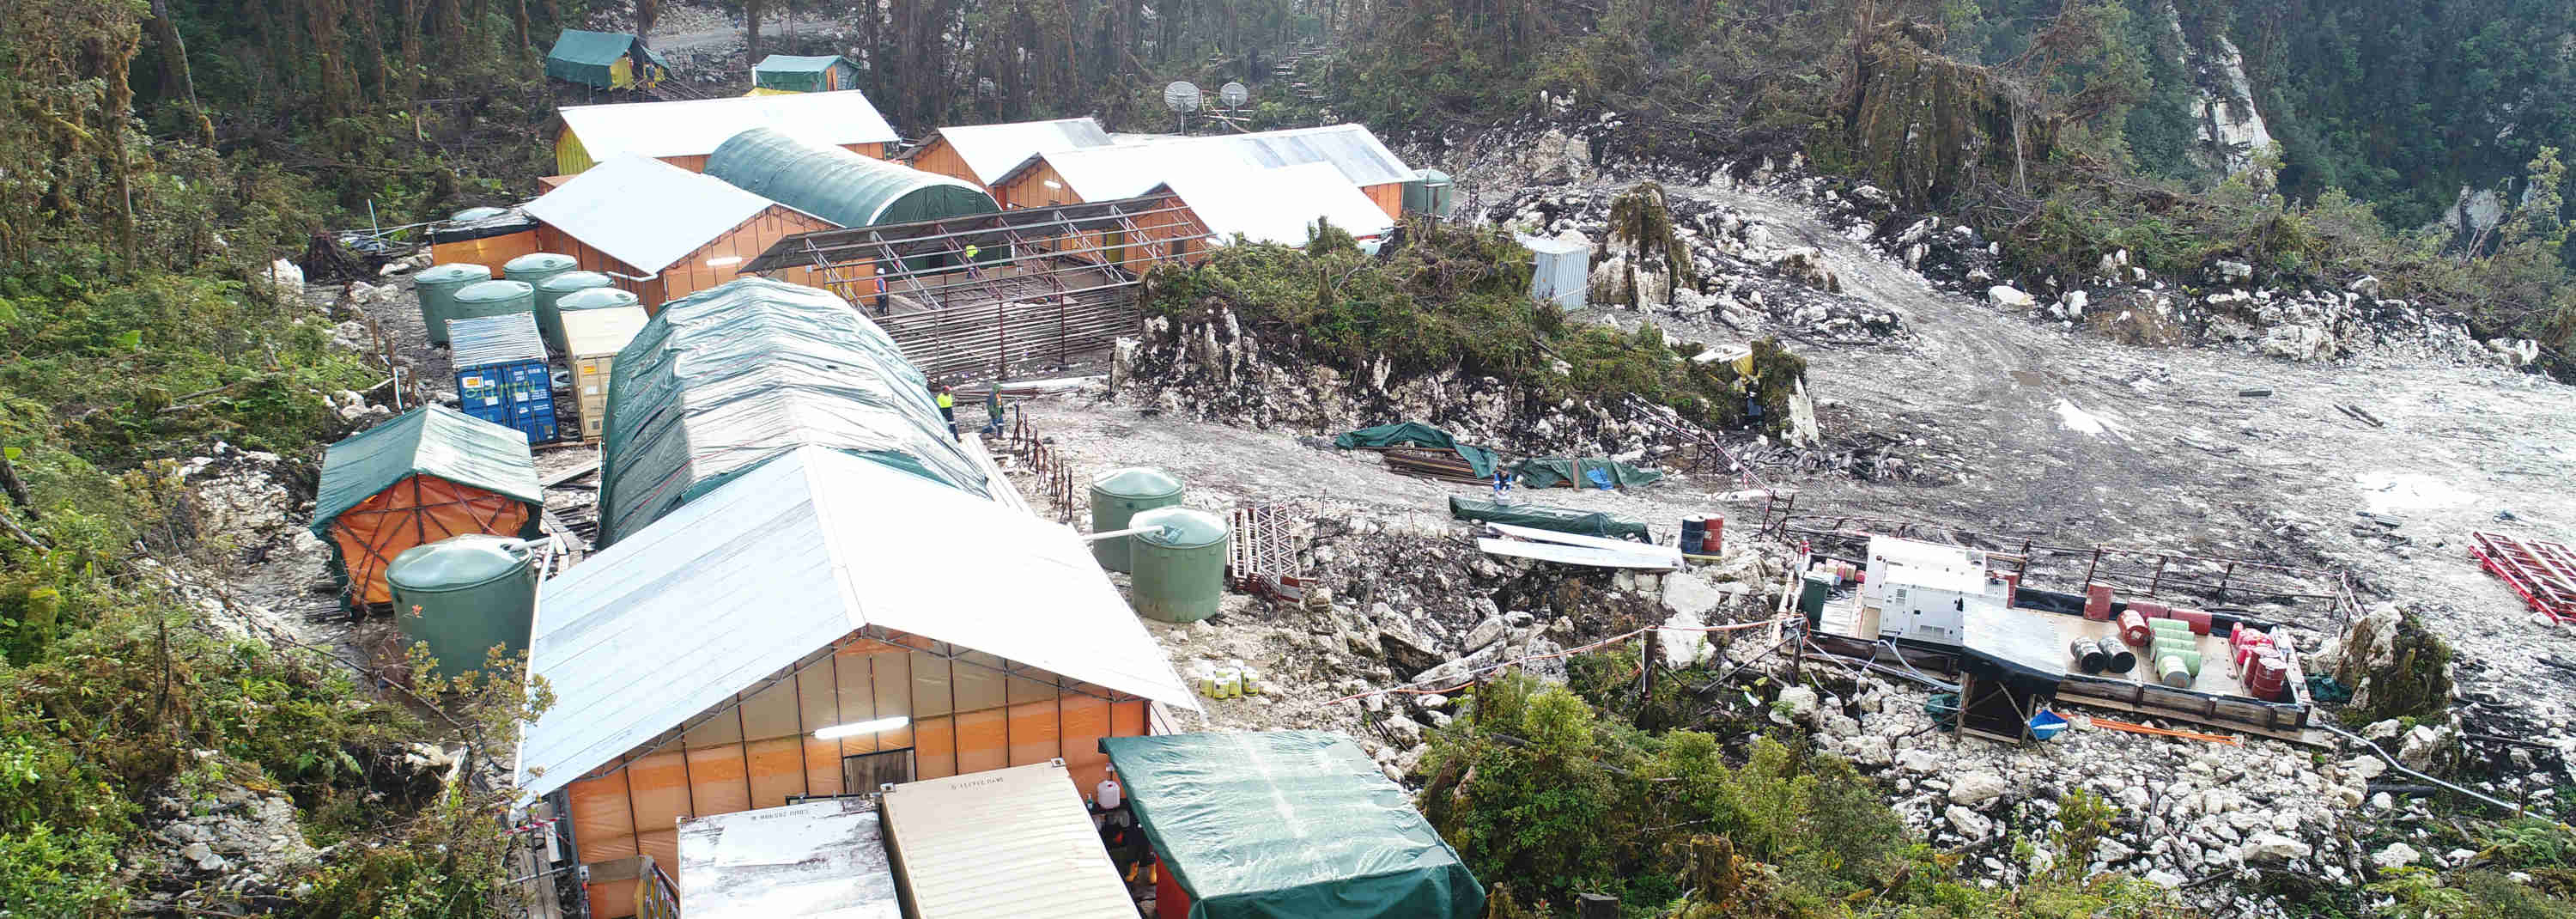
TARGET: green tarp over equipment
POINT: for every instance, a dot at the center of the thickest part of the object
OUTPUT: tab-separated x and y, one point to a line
843	187
589	58
1288	824
434	441
1587	472
804	74
1562	520
1418	435
725	379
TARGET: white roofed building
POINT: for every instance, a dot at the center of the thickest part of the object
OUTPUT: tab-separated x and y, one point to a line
821	624
682	133
662	232
984	153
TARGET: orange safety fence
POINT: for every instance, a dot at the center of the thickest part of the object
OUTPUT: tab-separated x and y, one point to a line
418	510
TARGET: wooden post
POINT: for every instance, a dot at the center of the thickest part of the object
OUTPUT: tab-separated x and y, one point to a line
2223	578
2159	577
1476	687
2090	568
1646	677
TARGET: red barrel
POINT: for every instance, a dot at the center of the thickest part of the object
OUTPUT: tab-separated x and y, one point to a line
2133	628
2199	620
2248	651
2097	602
2149	609
1715	536
2269	677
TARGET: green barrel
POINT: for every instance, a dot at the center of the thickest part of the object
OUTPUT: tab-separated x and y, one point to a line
551	292
535	267
1119	494
1813	588
596	298
1180	569
437	286
493	298
464	594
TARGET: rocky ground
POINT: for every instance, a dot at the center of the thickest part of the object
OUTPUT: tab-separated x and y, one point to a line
2204	415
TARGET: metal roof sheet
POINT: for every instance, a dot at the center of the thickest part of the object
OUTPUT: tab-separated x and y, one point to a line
795	63
2023	643
1278	205
816	860
991	151
788	558
645	212
1008	842
1129	169
695	127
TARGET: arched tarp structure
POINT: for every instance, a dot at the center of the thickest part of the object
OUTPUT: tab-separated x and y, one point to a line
840	186
733	376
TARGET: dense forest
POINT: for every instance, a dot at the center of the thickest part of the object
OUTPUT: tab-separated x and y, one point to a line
157	155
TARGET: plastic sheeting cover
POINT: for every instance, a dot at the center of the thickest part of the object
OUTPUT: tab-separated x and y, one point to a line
1289	823
1562	520
1420	435
816	859
725	379
838	185
1583	472
432	440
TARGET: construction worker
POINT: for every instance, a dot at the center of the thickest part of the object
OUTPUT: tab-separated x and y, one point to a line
993	409
947	408
971	250
881	292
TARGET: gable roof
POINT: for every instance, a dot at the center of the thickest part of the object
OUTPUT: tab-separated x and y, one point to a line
645	212
1278	205
991	151
695	127
432	440
1128	170
797	63
581	46
784	561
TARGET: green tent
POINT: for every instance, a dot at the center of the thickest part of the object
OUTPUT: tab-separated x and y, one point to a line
846	188
1288	823
1585	472
805	74
1562	520
1419	435
432	440
590	59
730	377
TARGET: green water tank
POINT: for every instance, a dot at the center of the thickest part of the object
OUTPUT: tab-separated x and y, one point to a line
1180	569
1117	495
552	290
536	267
464	594
596	298
437	286
493	298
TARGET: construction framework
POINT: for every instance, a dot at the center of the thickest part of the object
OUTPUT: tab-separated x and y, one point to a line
1261	559
2542	573
988	291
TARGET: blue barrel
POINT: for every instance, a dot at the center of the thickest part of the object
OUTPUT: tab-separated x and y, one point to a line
1694	536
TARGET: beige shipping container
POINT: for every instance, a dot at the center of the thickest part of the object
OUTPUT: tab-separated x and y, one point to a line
592	339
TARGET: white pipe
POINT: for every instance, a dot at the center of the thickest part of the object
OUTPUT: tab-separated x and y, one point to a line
1131	531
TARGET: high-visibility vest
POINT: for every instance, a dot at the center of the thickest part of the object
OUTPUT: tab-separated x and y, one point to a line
947	401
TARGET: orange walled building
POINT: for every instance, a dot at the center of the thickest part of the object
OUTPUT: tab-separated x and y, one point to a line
662	232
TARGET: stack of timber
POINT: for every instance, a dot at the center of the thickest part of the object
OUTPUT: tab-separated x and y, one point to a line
1429	463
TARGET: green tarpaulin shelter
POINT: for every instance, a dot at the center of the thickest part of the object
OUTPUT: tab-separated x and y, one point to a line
730	377
845	188
1587	472
1416	434
423	476
1562	520
591	59
1288	823
805	74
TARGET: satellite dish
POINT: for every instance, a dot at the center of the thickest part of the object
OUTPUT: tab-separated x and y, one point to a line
1182	96
1233	95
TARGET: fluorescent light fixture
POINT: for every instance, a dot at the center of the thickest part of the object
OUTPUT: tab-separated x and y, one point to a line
723	260
854	729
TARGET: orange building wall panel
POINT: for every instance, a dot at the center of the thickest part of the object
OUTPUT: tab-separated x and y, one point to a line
1389	198
489	252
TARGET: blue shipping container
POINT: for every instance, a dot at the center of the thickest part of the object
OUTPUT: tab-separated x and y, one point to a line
517	395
